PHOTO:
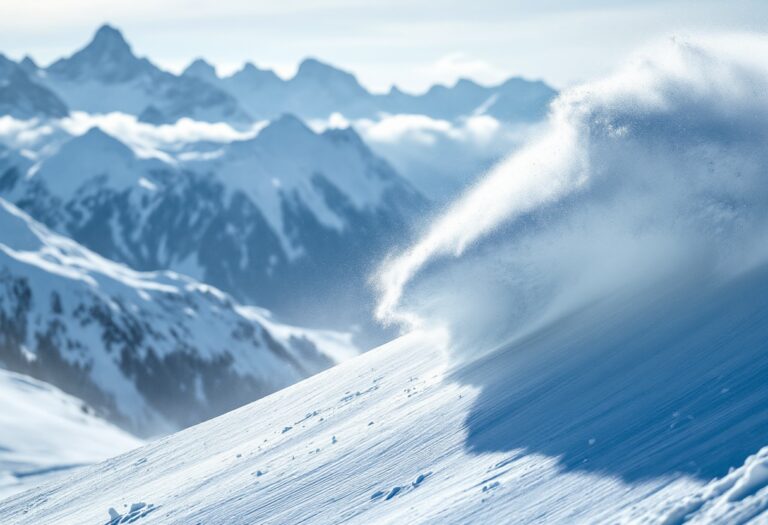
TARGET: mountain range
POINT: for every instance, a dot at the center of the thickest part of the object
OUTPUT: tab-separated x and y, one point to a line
288	210
106	76
152	352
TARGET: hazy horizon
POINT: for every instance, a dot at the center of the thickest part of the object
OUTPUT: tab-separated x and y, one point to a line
408	44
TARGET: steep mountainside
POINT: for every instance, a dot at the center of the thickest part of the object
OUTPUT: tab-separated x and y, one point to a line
287	210
153	352
603	417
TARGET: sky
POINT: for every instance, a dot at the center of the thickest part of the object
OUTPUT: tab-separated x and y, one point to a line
410	43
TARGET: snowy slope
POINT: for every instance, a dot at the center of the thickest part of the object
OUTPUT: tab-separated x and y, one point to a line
44	433
153	352
581	422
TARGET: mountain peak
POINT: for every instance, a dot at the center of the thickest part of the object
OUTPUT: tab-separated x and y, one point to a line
312	67
342	85
201	69
28	64
286	124
98	140
108	33
107	57
252	74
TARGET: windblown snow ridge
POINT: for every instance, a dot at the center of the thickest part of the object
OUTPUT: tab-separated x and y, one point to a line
655	172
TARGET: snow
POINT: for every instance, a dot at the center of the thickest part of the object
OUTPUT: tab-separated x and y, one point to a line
45	433
408	433
52	264
281	162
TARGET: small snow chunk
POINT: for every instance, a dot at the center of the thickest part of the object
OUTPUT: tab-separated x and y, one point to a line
592	441
370	423
392	493
492	486
259	473
286	429
334	440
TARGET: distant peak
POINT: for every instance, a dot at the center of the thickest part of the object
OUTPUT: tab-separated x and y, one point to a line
28	63
110	36
466	82
98	139
200	68
288	121
107	57
348	135
95	133
394	90
286	125
250	72
314	67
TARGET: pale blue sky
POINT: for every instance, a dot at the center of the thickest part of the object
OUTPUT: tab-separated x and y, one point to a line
408	42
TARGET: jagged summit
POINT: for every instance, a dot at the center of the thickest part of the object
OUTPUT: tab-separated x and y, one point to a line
107	57
250	73
201	69
108	35
29	65
314	70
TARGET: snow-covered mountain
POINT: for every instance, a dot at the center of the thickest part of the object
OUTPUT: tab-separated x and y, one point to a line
287	210
318	90
23	98
152	352
45	433
106	76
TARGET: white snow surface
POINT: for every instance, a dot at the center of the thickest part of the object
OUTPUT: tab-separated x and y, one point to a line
44	433
51	263
379	439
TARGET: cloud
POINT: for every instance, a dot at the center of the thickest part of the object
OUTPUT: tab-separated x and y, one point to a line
146	140
438	156
448	69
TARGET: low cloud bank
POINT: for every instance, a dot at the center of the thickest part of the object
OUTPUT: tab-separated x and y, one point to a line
440	157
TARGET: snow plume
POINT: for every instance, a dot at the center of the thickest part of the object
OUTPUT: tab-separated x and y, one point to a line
649	177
